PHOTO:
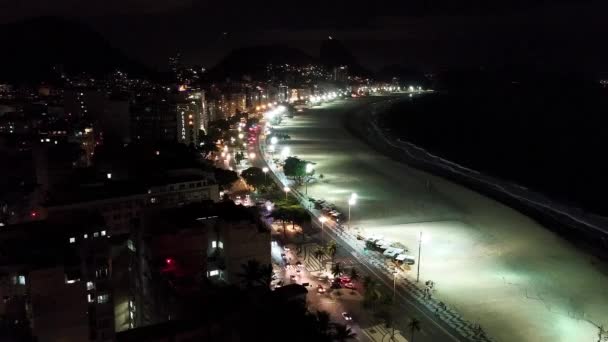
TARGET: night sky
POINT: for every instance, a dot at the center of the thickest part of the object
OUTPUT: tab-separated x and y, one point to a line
559	35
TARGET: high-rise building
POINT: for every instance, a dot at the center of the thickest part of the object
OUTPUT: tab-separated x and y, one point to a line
191	116
153	119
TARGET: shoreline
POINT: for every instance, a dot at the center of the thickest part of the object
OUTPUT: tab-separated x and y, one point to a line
362	124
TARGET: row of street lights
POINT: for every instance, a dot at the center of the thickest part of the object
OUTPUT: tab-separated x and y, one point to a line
352	201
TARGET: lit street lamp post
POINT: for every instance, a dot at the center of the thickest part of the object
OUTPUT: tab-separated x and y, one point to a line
351	201
322	219
265	170
309	169
286	189
421	239
394	282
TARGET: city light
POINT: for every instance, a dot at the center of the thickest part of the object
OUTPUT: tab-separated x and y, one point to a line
309	168
251	155
274	140
286	189
352	200
285	152
264	169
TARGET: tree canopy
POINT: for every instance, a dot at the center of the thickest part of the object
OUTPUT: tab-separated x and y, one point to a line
225	178
254	176
296	169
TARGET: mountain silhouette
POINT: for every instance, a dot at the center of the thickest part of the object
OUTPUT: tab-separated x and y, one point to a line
33	47
252	61
333	53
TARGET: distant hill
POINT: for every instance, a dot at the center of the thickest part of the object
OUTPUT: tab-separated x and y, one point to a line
334	53
32	47
252	61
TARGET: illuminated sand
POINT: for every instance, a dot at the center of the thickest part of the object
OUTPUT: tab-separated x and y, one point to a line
499	268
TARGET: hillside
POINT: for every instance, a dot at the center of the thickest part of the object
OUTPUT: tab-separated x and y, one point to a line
252	61
36	45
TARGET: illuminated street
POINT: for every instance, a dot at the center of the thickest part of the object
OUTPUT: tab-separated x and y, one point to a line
496	267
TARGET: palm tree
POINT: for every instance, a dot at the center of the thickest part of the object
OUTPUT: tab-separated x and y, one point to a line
354	274
281	215
386	316
343	333
332	249
250	273
368	281
336	269
371	293
414	326
253	273
318	253
323	321
265	275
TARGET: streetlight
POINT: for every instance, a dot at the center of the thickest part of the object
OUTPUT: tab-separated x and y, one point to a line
251	155
274	140
286	189
285	152
394	281
265	170
351	201
421	239
309	169
241	135
322	219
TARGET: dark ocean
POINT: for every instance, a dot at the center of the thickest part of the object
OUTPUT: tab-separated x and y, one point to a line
552	140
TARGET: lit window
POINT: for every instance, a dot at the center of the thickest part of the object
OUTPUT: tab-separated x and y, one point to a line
130	245
109	175
21	280
96	234
214	273
86	236
103	233
131	314
90	298
221	244
153	200
90	285
104	298
72	239
214	244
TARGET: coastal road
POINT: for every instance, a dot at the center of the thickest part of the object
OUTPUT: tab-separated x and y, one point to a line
496	267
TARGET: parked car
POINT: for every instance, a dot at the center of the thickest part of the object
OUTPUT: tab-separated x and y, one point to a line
349	286
320	289
344	279
347	316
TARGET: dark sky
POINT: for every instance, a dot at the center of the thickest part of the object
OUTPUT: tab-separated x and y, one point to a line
429	34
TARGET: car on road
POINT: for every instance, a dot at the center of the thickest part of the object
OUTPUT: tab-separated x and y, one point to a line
320	289
292	277
349	286
347	316
344	279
